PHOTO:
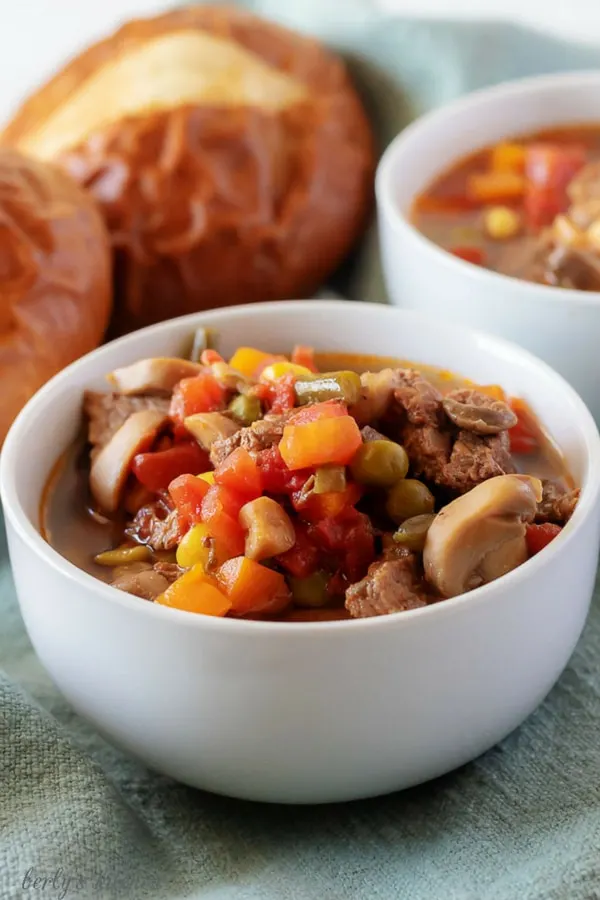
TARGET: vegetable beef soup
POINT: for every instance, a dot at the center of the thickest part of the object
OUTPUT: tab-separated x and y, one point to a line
319	486
528	207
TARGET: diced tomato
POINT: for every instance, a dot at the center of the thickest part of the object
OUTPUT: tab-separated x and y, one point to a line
157	470
337	584
322	442
187	493
303	558
350	537
240	473
200	394
522	436
220	510
283	395
325	506
252	589
539	536
329	409
276	477
549	168
304	356
470	254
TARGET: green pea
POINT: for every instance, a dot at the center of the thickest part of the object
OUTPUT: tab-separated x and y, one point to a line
310	591
409	498
380	463
413	532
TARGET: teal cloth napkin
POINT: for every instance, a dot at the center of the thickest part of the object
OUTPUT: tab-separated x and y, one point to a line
79	819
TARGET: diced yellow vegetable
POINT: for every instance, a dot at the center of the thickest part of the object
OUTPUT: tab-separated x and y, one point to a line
195	592
279	369
508	157
247	360
501	222
209	477
192	549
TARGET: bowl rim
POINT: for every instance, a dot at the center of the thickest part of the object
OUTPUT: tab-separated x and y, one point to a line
11	460
384	190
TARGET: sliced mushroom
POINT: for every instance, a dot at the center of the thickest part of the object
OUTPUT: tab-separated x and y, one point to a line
157	375
474	411
110	468
377	389
269	528
210	427
481	535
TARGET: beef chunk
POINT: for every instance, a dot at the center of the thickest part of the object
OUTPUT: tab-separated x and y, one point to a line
143	580
474	459
156	525
421	402
170	571
259	436
557	503
390	585
107	412
574	267
454	459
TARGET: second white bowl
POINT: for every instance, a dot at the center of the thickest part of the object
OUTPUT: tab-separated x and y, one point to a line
561	326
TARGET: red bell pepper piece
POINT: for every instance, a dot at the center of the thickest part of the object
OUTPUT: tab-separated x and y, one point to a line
539	536
157	470
240	473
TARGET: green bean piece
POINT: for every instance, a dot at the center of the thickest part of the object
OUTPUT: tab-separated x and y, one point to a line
317	388
310	591
330	479
246	409
123	556
408	498
204	339
413	532
380	463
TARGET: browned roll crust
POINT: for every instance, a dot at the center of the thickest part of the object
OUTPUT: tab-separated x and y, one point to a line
232	158
55	277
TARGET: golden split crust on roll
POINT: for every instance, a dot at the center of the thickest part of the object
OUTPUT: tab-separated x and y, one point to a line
55	277
232	158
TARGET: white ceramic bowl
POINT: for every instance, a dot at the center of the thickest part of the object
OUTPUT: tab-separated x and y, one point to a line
561	326
311	712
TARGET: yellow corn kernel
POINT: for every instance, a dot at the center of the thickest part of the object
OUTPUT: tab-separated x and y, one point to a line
501	222
192	549
208	477
593	234
247	360
279	369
